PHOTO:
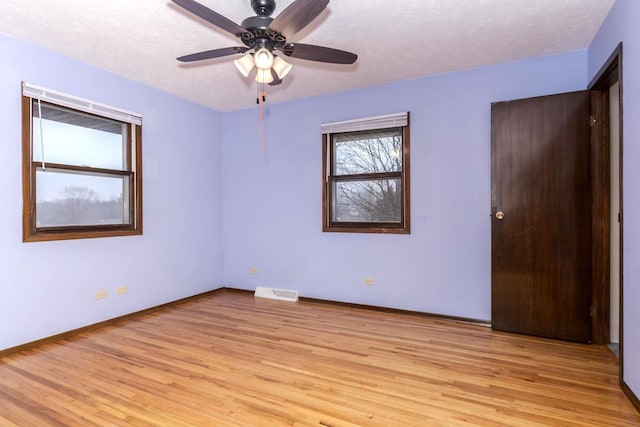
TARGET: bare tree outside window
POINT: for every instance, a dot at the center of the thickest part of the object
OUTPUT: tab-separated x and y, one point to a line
366	199
367	152
77	202
80	205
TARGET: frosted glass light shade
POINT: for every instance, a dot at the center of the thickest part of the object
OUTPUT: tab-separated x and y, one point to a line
281	67
264	76
263	59
244	64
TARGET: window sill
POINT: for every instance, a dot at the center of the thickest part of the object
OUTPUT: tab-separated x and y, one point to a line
51	236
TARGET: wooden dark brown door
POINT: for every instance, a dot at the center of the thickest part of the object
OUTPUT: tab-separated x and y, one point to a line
541	246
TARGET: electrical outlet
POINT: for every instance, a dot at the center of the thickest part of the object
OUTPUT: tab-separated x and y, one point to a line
122	290
368	281
253	270
102	294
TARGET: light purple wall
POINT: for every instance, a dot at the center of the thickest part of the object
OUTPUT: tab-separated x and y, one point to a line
272	198
48	287
266	213
622	26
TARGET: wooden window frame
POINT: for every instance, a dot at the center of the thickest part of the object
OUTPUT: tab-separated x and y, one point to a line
328	179
31	233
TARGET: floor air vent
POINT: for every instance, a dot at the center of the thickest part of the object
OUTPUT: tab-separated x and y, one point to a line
280	294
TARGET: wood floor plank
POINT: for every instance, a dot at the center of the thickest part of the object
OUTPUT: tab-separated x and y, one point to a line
228	359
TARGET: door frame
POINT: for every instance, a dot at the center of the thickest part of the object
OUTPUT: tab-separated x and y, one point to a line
609	73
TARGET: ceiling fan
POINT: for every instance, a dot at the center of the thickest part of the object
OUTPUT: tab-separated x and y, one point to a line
262	35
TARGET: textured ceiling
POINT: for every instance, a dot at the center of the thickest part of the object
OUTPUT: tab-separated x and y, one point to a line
394	40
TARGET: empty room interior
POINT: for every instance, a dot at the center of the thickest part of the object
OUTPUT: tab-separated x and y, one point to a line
314	213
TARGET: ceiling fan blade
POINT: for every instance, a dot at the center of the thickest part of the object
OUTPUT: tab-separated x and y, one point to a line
276	80
210	16
297	15
215	53
319	53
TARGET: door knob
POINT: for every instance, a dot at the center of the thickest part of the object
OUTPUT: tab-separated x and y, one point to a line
499	215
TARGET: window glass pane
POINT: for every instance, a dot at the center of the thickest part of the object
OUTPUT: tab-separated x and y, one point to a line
367	152
65	198
78	139
374	200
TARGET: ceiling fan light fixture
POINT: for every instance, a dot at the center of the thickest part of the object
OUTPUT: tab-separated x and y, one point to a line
263	59
264	76
281	67
244	64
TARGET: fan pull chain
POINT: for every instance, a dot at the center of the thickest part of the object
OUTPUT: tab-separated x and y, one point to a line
261	100
41	134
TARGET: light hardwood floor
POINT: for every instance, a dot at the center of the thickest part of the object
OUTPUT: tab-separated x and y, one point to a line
228	359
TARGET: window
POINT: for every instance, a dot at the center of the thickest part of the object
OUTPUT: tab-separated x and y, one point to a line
366	175
81	168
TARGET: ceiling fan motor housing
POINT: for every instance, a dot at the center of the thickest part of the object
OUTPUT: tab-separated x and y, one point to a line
257	23
259	34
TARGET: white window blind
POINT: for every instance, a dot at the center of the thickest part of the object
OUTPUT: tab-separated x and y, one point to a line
369	123
70	101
